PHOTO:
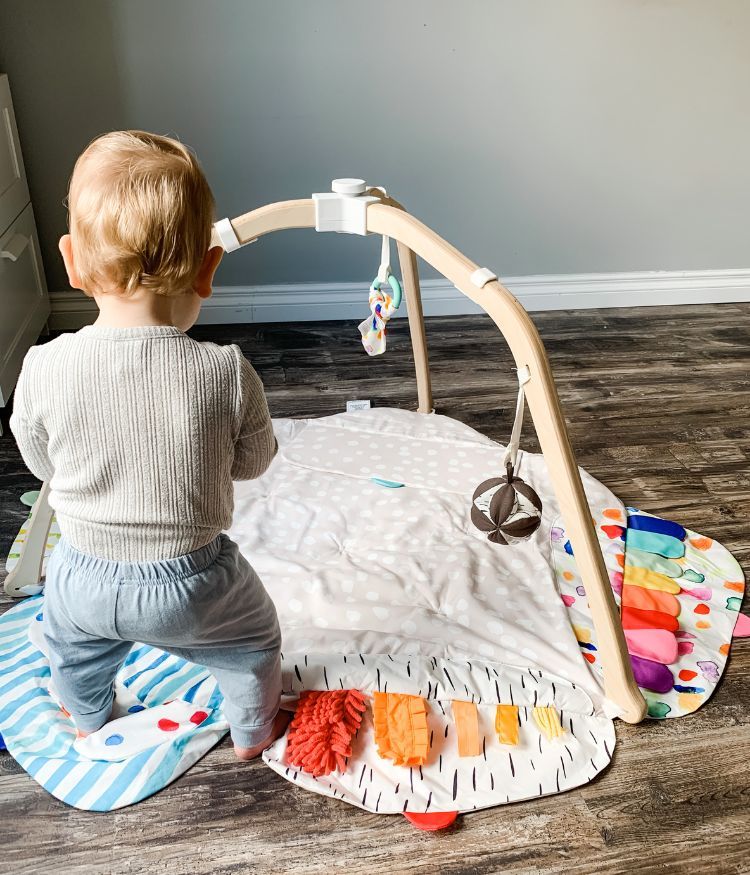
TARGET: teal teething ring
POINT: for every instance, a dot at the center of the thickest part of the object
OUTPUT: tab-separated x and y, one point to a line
395	288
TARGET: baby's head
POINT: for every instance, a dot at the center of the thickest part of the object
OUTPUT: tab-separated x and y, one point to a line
141	214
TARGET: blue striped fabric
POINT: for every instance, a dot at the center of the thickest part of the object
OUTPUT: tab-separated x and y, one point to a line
40	736
183	679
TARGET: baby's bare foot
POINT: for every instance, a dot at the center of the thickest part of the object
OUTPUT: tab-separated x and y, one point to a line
280	723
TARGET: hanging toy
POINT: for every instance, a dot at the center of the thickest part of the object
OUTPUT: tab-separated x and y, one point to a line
385	299
507	508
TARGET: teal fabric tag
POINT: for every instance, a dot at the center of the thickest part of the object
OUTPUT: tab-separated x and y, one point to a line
390	484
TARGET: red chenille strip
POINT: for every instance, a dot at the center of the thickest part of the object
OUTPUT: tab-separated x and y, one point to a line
321	731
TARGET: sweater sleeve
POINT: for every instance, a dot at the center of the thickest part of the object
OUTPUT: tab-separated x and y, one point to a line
255	445
27	427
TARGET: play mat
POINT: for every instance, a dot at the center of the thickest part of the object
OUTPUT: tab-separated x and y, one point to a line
461	621
361	532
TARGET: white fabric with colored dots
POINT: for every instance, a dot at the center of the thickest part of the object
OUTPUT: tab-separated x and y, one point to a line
373	329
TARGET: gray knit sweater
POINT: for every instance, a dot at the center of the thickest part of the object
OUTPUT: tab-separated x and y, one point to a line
140	432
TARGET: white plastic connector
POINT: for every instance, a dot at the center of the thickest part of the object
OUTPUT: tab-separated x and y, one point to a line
344	209
349	187
226	234
482	276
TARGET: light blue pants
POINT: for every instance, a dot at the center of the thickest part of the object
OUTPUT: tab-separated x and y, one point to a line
208	607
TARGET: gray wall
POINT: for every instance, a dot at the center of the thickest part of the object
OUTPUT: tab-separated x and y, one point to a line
539	137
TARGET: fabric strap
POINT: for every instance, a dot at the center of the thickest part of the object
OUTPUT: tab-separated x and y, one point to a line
548	721
511	451
400	724
466	719
385	260
506	724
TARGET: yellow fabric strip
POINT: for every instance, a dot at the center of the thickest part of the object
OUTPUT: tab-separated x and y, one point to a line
506	724
650	580
466	718
548	720
400	724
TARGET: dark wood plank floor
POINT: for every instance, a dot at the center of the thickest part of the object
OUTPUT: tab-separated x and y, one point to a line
657	404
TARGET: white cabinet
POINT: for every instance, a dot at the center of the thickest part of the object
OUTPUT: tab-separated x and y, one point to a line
24	303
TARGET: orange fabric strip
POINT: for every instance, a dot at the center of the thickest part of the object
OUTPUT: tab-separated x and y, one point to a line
466	717
650	600
506	724
400	724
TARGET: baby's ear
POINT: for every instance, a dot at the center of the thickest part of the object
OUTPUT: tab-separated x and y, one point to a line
66	250
205	277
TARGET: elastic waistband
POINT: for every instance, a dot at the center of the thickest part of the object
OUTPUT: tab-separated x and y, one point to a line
174	569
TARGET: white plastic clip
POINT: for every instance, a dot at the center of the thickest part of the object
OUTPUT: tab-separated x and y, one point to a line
227	235
482	276
344	209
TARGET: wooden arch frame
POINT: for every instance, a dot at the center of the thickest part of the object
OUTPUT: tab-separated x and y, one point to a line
413	238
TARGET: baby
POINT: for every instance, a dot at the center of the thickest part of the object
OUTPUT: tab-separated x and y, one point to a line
141	431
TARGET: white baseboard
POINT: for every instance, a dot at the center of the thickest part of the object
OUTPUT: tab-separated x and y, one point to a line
314	302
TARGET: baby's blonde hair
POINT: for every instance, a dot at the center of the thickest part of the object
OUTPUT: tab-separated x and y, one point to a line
141	213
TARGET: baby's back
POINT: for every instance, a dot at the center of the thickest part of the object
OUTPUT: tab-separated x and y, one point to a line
145	429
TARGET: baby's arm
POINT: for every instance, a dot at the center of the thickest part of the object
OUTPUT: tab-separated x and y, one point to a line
29	432
255	445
